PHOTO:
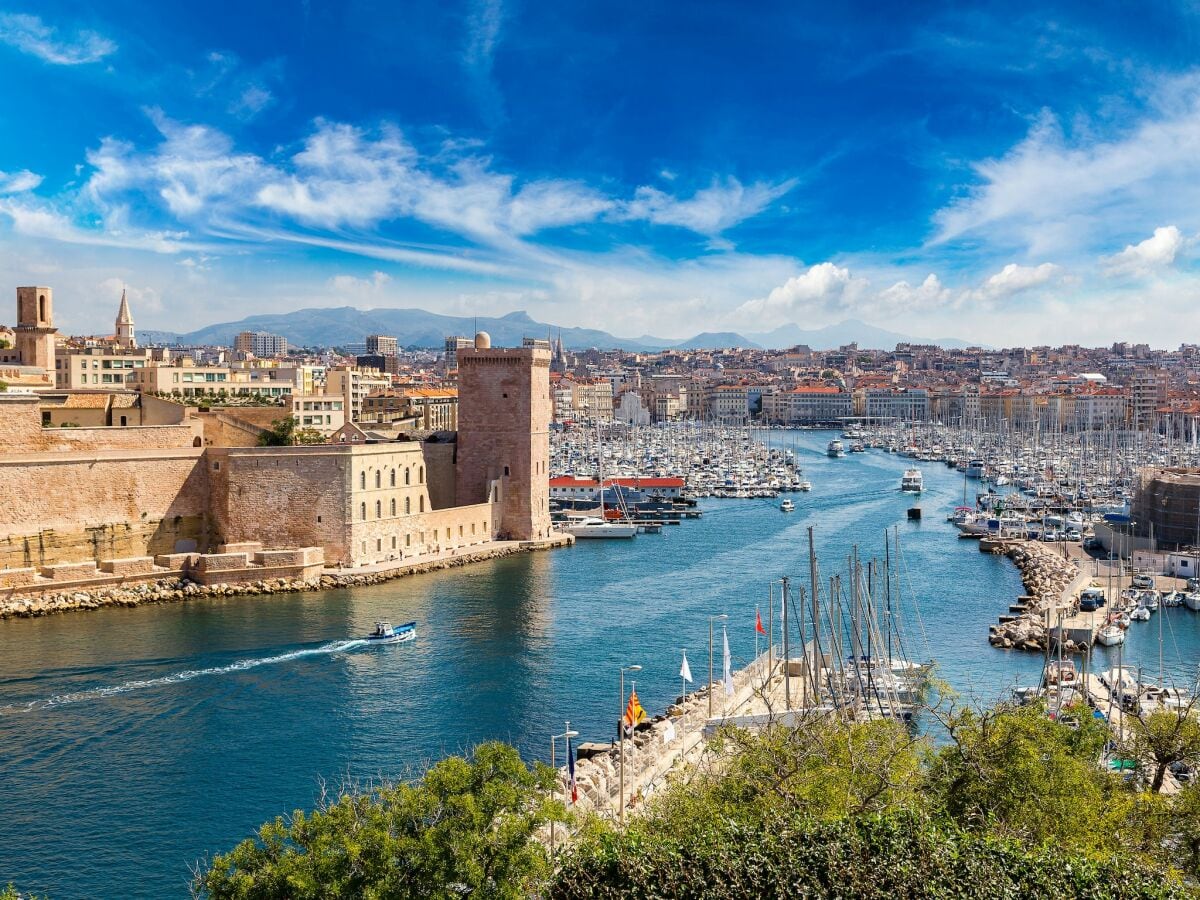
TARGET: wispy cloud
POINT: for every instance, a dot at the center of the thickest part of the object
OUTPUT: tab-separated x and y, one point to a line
31	35
17	182
711	210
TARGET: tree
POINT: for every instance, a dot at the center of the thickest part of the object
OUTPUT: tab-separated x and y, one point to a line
466	829
1163	738
282	433
4	344
308	436
3	386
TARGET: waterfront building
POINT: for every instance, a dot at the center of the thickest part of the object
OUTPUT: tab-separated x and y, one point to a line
568	487
1148	393
808	405
904	404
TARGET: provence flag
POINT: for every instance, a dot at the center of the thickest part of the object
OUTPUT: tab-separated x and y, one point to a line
571	772
634	714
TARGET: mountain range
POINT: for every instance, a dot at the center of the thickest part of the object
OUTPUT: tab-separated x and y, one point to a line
339	326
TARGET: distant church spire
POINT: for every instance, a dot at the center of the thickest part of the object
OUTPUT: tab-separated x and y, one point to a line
125	334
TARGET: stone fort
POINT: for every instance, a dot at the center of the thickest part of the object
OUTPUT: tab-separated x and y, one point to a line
88	496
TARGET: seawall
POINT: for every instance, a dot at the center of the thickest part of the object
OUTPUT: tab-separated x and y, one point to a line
167	590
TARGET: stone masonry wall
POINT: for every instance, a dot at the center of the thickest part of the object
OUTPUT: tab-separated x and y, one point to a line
107	505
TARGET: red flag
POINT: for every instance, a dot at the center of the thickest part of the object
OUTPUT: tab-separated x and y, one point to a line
758	623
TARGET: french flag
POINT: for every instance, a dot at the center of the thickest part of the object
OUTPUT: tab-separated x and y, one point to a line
571	772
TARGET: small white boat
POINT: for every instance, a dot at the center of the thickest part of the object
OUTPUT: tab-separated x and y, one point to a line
806	485
386	633
835	449
1141	614
1111	635
591	527
912	482
787	506
1192	601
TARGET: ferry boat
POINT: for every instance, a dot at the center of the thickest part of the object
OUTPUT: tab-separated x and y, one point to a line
592	527
386	633
911	482
835	449
787	506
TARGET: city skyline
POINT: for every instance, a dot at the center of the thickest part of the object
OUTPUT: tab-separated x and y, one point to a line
951	173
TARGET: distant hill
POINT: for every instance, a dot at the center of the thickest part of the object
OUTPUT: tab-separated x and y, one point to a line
332	327
849	331
338	326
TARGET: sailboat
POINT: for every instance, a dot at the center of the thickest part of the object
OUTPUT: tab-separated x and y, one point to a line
599	527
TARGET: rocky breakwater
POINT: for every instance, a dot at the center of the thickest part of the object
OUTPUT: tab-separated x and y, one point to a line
49	602
1046	576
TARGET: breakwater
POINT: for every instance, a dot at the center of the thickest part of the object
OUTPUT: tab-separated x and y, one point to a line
1047	576
169	590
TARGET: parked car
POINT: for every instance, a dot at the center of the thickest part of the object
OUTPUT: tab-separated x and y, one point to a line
1142	580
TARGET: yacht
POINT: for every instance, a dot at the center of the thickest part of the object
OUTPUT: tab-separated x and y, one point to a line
911	482
1111	635
591	527
805	485
1192	601
835	448
386	633
787	506
975	468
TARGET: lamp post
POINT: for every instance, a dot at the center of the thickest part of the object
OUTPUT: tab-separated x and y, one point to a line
711	619
621	739
565	736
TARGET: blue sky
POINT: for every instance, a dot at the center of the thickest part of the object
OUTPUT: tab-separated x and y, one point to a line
938	169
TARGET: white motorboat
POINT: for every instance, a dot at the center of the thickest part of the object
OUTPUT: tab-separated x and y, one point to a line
806	485
1141	614
591	527
787	506
1110	635
912	482
386	633
835	449
975	468
1192	601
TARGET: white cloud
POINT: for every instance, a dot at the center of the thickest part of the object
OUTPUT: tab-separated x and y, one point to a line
902	297
483	32
253	100
1014	279
350	286
42	222
1156	252
822	287
141	299
1055	193
18	182
31	35
709	211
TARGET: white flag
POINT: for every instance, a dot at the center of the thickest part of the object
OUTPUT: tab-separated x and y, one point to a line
728	662
685	671
668	734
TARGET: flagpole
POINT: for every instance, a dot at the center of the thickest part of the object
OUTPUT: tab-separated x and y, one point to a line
621	738
565	736
711	619
757	619
770	630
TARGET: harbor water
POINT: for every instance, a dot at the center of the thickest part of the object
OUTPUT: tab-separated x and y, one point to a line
134	742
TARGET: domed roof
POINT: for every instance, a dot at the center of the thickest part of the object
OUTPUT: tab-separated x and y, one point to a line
483	340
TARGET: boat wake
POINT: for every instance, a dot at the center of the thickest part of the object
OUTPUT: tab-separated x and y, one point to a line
128	686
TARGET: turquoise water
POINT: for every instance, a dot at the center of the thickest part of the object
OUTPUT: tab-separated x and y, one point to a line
133	742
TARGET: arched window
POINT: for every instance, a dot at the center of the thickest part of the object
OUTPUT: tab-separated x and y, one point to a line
393	506
422	503
379	479
421	476
364	511
407	505
393	477
406	476
362	480
379	509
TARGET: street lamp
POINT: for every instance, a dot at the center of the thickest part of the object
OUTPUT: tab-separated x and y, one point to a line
565	736
621	738
711	619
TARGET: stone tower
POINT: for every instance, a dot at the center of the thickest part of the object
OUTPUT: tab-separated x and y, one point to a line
504	433
125	335
35	327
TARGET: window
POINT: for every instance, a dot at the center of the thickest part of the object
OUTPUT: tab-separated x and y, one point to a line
422	504
362	481
506	471
393	506
364	511
379	509
393	477
378	480
408	540
379	545
460	531
406	474
407	505
421	475
393	542
447	534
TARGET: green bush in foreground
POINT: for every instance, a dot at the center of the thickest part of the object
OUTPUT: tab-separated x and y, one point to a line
464	830
886	857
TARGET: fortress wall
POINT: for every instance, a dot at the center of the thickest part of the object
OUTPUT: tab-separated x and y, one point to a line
71	508
384	540
281	496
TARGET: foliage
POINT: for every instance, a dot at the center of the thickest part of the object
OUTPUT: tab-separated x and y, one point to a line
4	345
1162	738
284	433
3	386
466	829
790	855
